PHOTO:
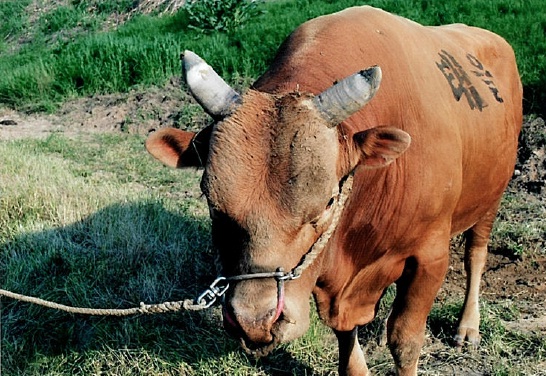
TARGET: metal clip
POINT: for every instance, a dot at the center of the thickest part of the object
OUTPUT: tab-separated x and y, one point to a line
215	290
295	274
281	276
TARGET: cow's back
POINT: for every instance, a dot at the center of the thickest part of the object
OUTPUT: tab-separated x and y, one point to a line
455	89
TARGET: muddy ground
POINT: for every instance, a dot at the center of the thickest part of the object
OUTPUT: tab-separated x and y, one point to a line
516	279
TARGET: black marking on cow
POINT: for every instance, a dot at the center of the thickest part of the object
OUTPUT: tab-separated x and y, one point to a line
459	81
485	75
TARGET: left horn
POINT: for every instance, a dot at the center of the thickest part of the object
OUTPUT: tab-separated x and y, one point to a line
216	97
347	96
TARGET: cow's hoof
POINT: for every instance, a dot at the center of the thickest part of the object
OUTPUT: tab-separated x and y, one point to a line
470	337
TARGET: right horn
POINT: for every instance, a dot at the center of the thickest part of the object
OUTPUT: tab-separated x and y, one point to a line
347	96
216	97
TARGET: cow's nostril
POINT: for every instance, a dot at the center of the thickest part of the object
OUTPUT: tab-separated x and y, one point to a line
253	330
230	323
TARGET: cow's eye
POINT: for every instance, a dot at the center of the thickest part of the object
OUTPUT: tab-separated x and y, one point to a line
330	203
317	219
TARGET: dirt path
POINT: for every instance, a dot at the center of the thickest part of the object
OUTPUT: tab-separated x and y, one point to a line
134	112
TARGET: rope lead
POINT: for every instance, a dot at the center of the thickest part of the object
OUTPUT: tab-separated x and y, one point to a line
181	305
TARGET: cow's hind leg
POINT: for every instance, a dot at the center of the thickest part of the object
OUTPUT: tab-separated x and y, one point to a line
475	257
351	357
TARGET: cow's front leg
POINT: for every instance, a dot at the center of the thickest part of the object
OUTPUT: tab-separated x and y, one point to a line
351	357
416	290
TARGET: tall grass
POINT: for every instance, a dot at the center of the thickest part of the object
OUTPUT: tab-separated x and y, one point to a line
13	20
144	51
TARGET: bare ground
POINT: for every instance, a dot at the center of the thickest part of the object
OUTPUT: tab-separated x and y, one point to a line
517	281
135	112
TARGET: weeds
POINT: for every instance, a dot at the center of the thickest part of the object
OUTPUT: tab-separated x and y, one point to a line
220	15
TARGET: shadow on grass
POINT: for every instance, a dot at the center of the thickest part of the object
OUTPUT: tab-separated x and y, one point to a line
116	258
534	98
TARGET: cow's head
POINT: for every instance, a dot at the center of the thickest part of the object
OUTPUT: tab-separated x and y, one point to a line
273	169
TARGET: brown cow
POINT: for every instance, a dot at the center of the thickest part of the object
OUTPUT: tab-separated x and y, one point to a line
280	159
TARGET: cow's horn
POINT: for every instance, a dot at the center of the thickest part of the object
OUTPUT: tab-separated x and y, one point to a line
216	97
347	96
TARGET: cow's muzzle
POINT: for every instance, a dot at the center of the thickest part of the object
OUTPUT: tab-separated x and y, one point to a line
258	336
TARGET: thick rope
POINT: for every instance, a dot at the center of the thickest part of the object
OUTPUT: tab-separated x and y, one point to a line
187	305
320	244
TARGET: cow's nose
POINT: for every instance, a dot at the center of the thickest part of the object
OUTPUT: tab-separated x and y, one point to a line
257	330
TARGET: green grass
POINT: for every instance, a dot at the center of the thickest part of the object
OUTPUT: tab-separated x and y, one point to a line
97	222
94	221
520	229
68	55
511	353
13	20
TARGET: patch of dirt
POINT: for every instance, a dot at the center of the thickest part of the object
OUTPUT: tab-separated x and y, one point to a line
136	112
530	173
520	281
38	8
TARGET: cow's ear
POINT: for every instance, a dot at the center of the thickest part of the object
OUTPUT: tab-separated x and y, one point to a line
179	149
380	146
